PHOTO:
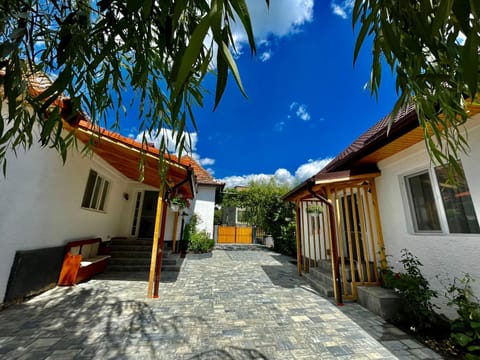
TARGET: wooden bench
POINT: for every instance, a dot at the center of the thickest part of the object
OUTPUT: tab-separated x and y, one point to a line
83	259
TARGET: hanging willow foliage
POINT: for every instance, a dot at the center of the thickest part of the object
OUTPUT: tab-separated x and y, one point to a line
93	51
433	49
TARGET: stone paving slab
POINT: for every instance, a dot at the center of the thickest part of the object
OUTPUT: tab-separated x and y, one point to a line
232	304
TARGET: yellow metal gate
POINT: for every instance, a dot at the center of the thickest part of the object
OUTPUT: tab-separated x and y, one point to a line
234	235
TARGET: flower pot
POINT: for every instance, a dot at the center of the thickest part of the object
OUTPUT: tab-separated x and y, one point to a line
174	207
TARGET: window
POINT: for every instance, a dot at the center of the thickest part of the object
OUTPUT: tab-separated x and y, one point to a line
422	202
457	203
241	216
95	192
438	205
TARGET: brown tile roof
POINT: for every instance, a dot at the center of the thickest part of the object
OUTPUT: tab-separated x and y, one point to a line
203	176
375	137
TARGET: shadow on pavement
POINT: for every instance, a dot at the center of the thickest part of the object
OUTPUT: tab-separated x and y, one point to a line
95	323
230	353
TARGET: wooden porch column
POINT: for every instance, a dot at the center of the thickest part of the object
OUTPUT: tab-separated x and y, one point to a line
153	262
297	235
378	226
161	241
175	226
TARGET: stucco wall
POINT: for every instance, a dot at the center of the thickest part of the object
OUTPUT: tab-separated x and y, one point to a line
443	255
40	202
204	207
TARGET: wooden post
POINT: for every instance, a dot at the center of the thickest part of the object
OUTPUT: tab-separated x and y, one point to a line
153	262
366	253
372	240
298	237
309	240
158	267
378	226
175	226
349	243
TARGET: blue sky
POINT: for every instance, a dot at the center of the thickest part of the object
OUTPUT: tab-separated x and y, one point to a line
306	101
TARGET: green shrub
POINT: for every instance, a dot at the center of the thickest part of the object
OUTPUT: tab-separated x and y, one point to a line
416	308
200	242
466	328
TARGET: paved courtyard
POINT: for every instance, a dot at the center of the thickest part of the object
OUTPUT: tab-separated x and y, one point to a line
232	304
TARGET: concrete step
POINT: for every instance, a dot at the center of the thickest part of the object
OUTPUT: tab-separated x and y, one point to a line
129	261
322	276
324	289
141	268
325	265
131	253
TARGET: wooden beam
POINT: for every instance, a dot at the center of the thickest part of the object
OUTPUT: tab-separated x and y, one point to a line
378	226
161	241
175	227
153	261
298	237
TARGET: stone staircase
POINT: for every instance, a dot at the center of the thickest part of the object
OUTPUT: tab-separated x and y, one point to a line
134	256
320	278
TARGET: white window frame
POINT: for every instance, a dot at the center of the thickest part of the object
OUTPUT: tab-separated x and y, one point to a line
237	216
437	196
93	199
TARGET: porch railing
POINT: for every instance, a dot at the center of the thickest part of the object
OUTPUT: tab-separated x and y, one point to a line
359	238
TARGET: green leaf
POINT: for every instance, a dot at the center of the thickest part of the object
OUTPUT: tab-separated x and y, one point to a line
222	77
462	339
147	7
191	54
442	14
361	36
470	63
232	65
241	9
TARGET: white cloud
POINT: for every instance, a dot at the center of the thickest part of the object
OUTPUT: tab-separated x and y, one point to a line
168	136
282	176
310	168
300	110
343	8
266	55
302	113
190	145
278	127
282	18
206	161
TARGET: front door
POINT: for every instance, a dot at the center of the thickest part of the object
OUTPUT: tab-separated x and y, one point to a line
147	217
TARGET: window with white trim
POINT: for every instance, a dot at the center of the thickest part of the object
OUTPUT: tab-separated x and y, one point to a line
96	192
240	216
439	205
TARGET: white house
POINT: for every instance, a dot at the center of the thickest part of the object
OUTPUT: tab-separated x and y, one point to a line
383	194
44	203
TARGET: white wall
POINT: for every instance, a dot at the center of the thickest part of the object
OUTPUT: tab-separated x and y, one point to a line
445	255
40	202
204	208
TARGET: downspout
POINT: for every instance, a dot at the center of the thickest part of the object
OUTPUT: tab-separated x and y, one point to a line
336	274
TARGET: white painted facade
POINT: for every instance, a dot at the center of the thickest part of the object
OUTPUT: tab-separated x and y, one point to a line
442	254
40	203
204	208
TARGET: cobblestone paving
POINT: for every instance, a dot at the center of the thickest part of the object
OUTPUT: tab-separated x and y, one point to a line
236	305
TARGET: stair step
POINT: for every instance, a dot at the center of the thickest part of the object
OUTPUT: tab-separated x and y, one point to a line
322	276
129	261
130	247
325	265
131	253
324	289
141	268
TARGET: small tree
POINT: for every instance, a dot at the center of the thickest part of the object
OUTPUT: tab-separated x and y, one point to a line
264	208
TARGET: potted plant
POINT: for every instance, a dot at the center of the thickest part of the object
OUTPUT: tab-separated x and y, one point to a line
178	202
